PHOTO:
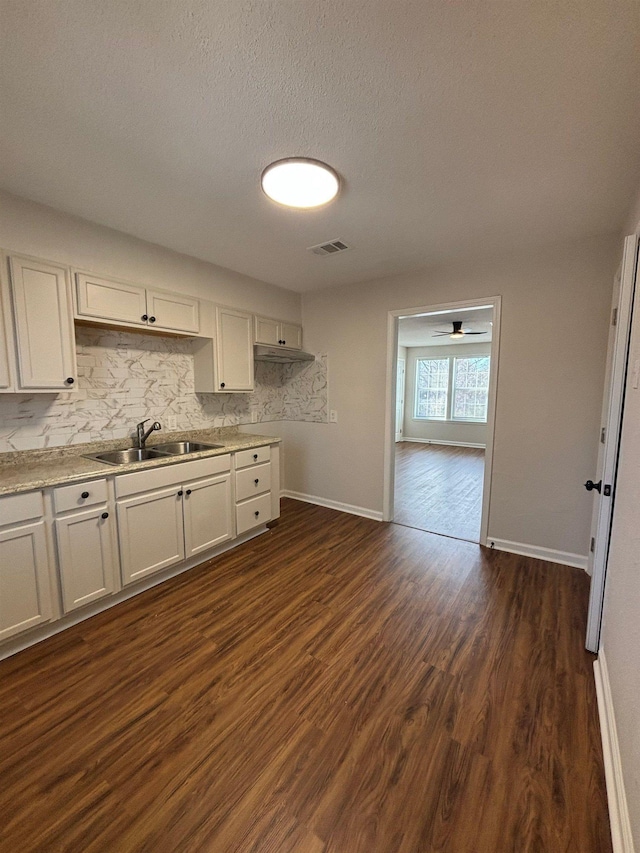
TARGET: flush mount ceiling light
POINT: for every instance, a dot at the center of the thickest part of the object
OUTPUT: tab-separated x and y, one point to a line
300	182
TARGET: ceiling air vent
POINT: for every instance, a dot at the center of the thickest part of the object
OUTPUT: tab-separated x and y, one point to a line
330	248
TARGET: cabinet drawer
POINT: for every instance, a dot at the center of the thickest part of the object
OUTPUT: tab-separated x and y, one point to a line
79	495
168	475
253	456
253	512
253	481
17	508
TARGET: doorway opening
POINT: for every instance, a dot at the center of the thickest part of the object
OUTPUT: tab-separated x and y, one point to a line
442	373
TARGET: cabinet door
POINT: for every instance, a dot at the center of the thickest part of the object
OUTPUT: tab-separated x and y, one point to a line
85	556
44	325
291	335
173	312
207	514
103	299
234	348
267	331
6	338
25	596
151	533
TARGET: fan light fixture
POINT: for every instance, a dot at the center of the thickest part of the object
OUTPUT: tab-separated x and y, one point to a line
300	182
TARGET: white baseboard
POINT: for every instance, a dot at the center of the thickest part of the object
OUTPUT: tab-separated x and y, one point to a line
447	443
564	557
618	809
350	508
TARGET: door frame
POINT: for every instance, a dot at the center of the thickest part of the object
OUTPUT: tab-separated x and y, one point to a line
390	404
404	386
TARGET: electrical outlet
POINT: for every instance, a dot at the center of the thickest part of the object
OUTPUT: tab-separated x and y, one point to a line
333	416
171	422
254	417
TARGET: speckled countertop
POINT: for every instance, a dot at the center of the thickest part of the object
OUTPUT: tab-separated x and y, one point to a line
26	470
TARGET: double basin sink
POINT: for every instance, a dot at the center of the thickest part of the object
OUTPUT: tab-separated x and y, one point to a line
158	451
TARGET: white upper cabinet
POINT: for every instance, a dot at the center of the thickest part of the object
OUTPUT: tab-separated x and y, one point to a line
45	344
109	301
7	362
277	333
234	350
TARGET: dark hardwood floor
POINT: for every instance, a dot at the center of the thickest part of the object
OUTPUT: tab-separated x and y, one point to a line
439	488
337	685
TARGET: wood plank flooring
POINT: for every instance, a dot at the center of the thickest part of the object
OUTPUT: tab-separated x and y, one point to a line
439	488
337	685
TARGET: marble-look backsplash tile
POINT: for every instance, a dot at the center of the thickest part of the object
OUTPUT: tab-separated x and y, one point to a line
124	377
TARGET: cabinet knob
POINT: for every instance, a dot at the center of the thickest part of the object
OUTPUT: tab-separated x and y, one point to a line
105	515
152	319
257	513
255	455
145	317
279	342
222	384
188	491
70	380
84	495
256	481
284	342
180	493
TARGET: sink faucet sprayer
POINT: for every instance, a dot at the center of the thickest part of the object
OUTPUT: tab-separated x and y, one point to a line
141	435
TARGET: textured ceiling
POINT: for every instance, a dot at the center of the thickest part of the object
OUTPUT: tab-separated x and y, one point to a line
459	126
419	331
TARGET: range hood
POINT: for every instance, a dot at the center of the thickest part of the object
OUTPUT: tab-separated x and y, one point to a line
282	355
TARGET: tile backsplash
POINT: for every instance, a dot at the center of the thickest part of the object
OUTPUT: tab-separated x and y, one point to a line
124	377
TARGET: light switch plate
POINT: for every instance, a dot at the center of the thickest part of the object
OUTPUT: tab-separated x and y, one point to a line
171	422
333	416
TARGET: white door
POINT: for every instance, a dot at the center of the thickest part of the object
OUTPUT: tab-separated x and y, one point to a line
207	514
234	348
400	399
25	597
603	485
151	533
85	556
44	325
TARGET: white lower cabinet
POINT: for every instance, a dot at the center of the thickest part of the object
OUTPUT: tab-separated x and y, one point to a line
187	513
86	556
25	591
207	514
151	533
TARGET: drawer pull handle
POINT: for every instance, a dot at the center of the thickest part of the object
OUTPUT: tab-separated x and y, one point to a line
84	495
256	481
145	317
180	493
257	513
105	515
188	491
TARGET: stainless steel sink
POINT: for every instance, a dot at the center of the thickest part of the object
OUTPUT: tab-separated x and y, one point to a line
178	448
131	454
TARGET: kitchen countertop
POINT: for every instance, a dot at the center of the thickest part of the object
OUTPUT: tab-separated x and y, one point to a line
24	471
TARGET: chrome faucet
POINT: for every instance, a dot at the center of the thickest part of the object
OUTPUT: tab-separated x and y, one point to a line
142	435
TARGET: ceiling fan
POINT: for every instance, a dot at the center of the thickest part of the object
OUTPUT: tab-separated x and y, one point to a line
458	331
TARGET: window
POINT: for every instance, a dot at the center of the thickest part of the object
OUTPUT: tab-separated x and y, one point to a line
452	389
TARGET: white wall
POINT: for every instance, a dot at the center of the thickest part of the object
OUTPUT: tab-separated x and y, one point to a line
555	312
465	433
33	229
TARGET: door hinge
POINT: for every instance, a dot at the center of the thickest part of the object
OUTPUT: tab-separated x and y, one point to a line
603	433
614	318
593	544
